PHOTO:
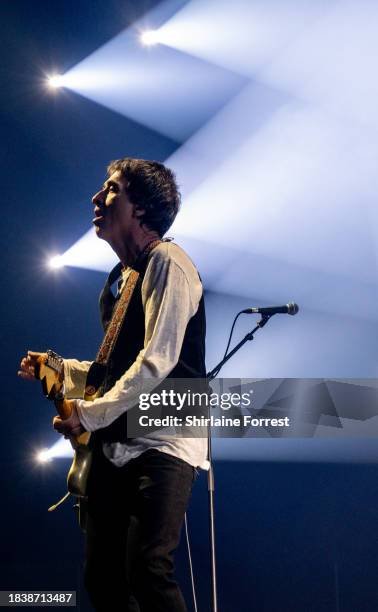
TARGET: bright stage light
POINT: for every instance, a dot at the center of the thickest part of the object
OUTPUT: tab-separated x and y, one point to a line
61	449
150	37
44	456
88	252
55	81
56	262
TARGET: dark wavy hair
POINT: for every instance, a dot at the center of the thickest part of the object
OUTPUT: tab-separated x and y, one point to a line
151	187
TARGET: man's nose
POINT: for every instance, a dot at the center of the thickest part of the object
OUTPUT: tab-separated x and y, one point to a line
98	197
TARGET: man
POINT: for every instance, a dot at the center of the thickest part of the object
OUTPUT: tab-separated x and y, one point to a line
138	488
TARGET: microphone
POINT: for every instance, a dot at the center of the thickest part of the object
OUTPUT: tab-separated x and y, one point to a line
291	308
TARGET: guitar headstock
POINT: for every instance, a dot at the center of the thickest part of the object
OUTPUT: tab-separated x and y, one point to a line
49	370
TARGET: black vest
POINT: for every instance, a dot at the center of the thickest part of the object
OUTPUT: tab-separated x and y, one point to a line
130	341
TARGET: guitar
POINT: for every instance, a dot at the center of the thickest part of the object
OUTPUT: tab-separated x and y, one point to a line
49	370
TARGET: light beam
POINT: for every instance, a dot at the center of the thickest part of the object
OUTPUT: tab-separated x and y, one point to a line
62	448
55	81
56	262
150	37
43	456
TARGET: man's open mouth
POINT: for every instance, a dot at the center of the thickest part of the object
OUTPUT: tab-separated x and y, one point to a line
98	217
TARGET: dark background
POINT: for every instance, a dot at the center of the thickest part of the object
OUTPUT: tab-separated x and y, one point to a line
298	537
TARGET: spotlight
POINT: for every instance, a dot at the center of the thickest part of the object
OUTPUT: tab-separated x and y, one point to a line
149	37
56	262
55	81
44	456
61	448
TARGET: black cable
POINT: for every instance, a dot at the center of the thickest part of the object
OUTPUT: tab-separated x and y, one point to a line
229	340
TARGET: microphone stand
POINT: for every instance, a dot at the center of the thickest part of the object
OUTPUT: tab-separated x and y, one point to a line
210	475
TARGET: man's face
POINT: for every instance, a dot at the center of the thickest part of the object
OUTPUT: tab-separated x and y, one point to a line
115	216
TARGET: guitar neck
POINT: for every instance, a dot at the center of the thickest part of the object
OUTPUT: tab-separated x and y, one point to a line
62	408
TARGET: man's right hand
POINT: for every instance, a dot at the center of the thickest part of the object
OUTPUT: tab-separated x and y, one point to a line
28	364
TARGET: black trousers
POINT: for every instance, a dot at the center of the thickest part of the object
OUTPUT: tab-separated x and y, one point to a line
135	515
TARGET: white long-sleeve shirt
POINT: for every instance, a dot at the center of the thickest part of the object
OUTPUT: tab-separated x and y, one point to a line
171	292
